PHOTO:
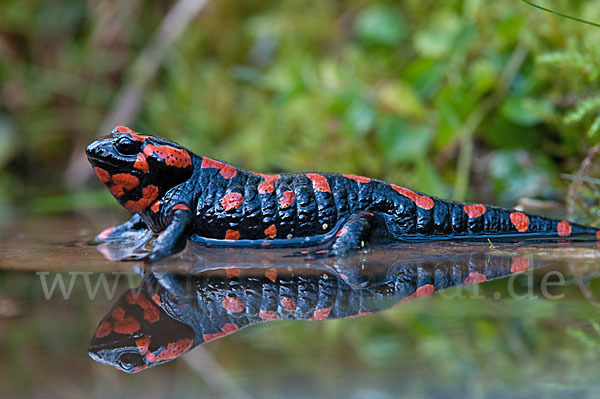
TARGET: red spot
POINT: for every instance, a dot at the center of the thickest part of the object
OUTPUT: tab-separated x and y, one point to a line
156	299
105	233
360	179
598	235
271	274
475	210
287	303
233	305
319	182
271	231
475	277
520	221
342	231
228	328
138	137
102	174
519	265
117	191
564	229
181	206
126	180
172	350
124	325
321	314
151	312
232	272
424	290
421	201
142	344
227	171
103	329
232	235
359	314
172	156
149	194
287	199
122	129
268	315
141	164
267	186
155	207
232	201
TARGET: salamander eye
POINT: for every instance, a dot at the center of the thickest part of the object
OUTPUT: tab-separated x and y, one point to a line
127	146
128	361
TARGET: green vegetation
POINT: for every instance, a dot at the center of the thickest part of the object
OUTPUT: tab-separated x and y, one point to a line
462	99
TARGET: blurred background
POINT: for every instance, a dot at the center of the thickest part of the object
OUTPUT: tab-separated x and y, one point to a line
462	99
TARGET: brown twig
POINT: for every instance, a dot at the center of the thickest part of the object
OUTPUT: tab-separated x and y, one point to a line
574	186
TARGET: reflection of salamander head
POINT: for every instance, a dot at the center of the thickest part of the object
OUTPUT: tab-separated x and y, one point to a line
138	169
138	334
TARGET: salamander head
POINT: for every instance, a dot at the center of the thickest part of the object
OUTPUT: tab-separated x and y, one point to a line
137	334
138	169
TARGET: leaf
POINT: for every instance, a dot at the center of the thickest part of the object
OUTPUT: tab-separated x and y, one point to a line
379	24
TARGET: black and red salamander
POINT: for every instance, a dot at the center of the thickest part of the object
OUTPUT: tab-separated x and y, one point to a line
169	314
183	196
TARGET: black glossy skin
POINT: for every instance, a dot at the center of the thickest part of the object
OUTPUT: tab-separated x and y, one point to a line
190	310
184	195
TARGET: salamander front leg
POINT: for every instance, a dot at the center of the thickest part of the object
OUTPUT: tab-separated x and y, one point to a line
123	231
173	238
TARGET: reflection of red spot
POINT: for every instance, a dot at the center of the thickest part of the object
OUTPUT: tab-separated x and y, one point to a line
141	164
126	180
267	185
286	200
342	231
172	156
228	328
151	313
475	210
105	233
232	201
287	303
420	200
103	330
520	221
232	272
564	229
142	344
271	274
227	171
360	179
172	350
233	305
181	206
155	207
359	314
102	174
156	299
267	315
519	265
124	325
271	231
122	129
475	277
319	182
321	314
149	194
232	235
424	290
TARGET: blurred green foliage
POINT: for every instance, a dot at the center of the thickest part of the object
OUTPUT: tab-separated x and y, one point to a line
465	99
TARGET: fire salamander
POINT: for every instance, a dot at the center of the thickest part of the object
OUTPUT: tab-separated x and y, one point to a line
181	195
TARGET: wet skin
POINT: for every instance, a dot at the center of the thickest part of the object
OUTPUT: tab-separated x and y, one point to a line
182	196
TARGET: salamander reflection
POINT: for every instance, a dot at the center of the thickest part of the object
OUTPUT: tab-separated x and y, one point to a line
169	314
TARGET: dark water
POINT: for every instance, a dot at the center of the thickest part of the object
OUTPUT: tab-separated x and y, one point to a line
532	332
